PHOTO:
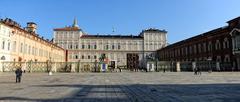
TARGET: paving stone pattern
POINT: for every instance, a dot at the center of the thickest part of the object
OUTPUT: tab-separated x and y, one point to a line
121	87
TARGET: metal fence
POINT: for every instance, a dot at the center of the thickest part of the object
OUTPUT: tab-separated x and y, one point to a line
206	66
167	66
51	66
95	66
189	65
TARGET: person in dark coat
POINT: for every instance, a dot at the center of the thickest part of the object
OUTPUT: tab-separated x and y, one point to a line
18	73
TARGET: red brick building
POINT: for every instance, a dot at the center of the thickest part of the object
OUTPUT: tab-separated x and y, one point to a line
215	45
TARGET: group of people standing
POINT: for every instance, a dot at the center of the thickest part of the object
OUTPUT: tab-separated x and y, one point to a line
197	70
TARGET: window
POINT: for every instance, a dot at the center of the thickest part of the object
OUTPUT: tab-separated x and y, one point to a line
107	47
83	46
8	46
33	51
195	49
3	45
76	56
76	46
204	47
95	57
95	46
82	56
113	47
190	49
21	48
218	59
89	57
89	46
70	46
36	52
217	45
226	59
182	51
119	46
186	50
14	46
237	42
225	43
29	49
209	46
178	51
25	48
199	48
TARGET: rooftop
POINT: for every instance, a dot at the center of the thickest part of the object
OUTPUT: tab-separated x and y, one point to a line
67	29
112	36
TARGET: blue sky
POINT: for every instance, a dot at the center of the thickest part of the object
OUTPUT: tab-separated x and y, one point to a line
181	18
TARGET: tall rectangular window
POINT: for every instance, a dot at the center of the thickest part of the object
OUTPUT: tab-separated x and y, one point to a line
95	46
119	46
14	46
3	45
25	48
21	48
89	46
29	49
32	50
106	47
112	47
8	46
83	46
76	45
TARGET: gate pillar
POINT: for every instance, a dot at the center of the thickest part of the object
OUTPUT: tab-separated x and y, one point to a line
178	67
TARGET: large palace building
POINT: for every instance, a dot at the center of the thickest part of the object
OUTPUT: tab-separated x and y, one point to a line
219	45
24	44
89	48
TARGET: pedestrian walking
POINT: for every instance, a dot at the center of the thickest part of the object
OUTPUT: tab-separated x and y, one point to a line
199	71
18	73
195	71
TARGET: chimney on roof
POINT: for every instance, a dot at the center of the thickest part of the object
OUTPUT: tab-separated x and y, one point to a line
31	27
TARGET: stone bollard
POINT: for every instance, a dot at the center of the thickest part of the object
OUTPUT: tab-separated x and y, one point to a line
73	67
153	67
50	73
178	67
54	67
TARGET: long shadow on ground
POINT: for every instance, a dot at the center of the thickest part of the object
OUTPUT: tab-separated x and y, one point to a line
145	93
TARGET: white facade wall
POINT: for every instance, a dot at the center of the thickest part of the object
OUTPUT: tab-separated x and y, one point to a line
5	47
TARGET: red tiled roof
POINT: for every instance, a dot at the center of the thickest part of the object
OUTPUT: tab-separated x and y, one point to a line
67	29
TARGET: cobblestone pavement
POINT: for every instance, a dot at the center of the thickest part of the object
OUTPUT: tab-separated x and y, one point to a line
122	87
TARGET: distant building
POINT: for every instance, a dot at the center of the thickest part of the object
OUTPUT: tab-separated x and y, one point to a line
24	44
89	48
235	33
216	45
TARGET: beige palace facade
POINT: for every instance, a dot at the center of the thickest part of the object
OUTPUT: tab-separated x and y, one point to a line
89	48
24	44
